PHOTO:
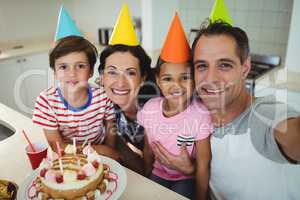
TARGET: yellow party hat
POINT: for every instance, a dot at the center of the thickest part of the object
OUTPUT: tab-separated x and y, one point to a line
220	12
124	32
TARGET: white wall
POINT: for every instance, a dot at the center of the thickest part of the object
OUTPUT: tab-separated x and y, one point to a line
156	19
266	22
35	20
27	20
93	14
293	49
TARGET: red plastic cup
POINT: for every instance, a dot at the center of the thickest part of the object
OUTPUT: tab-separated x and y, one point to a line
36	158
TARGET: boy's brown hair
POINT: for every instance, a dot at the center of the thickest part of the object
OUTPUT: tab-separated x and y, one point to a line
72	44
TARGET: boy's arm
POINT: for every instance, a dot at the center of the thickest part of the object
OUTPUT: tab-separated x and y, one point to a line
148	157
203	157
54	136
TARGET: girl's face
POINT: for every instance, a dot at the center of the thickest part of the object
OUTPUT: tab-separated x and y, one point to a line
122	78
72	71
176	82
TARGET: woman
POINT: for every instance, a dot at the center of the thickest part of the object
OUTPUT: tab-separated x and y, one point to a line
123	70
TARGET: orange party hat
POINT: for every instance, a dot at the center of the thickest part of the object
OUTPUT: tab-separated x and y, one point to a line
176	48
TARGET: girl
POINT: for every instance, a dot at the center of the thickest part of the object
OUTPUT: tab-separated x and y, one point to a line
177	122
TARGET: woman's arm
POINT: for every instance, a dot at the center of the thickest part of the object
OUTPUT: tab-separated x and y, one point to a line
108	148
111	133
148	157
203	157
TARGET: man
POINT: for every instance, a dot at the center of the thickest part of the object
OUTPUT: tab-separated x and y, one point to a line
256	141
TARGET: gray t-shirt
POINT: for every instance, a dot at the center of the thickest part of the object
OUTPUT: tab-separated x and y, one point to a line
246	160
261	118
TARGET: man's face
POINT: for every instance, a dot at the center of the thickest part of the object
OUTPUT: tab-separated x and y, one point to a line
219	74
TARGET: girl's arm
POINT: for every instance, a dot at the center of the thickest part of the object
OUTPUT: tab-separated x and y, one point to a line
203	157
148	157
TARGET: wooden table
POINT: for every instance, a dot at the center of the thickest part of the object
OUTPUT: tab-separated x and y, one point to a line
14	165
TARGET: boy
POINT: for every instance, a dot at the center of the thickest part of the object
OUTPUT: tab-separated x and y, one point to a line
73	108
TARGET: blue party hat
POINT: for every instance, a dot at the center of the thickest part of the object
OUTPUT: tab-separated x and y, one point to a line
65	25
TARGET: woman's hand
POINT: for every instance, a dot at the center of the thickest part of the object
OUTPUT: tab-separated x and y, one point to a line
181	162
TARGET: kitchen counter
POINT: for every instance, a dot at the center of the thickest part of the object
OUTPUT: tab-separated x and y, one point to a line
15	165
29	48
24	49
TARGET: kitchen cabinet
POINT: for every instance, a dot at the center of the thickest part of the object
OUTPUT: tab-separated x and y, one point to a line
22	79
10	70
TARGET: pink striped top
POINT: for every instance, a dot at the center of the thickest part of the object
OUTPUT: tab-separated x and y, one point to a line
53	112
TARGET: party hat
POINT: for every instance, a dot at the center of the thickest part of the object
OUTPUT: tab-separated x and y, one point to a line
176	47
123	32
220	12
65	25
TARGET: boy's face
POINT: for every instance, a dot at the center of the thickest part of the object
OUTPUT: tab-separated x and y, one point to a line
72	71
176	82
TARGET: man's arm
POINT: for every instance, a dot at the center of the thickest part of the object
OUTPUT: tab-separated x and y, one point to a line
181	162
203	158
287	135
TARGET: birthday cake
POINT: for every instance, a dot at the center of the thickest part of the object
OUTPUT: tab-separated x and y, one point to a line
72	175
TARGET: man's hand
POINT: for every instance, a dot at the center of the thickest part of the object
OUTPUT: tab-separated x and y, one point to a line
181	162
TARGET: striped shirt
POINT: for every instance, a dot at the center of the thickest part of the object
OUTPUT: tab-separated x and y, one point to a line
53	112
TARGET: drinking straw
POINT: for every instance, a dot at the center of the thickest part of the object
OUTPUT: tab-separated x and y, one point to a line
30	144
59	159
58	149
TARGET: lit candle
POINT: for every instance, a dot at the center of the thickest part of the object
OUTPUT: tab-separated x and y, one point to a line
89	148
59	158
74	145
50	154
84	143
78	161
61	166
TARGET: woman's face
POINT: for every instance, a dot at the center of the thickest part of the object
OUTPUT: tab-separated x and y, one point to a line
122	78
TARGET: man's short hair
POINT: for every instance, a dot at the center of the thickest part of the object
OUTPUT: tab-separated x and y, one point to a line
73	44
222	28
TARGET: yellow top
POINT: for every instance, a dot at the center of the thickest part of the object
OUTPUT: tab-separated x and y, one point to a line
124	32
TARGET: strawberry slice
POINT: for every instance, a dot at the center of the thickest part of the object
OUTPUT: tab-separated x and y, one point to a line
59	178
95	164
43	172
81	175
